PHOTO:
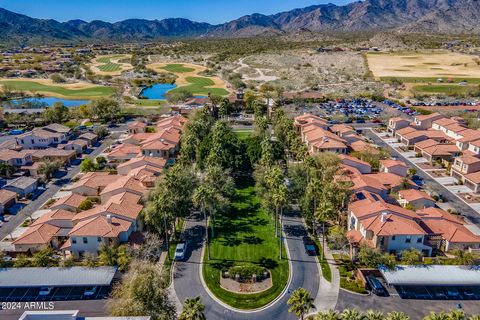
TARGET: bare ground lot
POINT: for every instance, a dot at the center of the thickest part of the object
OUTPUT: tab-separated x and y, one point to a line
339	72
437	64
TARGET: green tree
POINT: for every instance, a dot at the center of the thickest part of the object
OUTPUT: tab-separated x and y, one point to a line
411	256
101	132
90	260
463	257
351	314
192	310
142	293
88	165
437	316
203	198
327	315
372	258
43	258
58	113
86	204
124	257
107	255
300	302
373	315
48	168
105	109
22	261
397	316
6	170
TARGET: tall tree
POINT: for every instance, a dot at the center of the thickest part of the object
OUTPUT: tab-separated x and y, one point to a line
48	168
203	198
142	293
300	302
58	113
192	310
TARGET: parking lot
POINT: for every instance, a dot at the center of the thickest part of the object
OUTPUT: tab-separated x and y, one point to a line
438	293
57	294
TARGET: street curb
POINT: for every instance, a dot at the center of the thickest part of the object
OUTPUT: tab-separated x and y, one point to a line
244	311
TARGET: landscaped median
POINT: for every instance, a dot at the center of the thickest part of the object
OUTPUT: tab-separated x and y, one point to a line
245	237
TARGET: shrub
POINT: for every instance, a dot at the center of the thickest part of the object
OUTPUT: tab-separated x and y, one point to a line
246	272
86	205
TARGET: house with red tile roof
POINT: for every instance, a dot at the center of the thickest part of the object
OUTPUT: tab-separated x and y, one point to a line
71	203
397	123
396	167
424	122
123	152
7	199
16	158
464	165
126	167
136	127
444	152
41	138
415	198
121	185
362	166
92	183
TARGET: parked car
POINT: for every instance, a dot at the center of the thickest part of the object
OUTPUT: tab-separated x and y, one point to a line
453	293
180	251
440	294
309	246
90	291
376	286
45	291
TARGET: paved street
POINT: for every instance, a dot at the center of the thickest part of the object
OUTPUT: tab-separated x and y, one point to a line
52	188
187	282
433	185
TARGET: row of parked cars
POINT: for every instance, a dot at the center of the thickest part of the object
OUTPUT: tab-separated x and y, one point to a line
455	103
401	108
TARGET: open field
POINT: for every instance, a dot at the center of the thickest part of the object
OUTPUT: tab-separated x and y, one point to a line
188	78
46	87
112	65
245	236
438	64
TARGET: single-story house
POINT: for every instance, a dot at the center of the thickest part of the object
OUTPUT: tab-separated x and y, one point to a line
7	199
415	198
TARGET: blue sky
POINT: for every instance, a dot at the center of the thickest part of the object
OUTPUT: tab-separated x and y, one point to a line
212	11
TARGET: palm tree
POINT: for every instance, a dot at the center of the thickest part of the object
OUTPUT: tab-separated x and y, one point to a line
325	211
464	258
192	310
314	188
437	316
351	314
300	302
202	198
327	315
456	315
395	315
280	200
374	315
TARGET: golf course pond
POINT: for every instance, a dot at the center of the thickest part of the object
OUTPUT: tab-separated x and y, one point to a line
157	91
47	102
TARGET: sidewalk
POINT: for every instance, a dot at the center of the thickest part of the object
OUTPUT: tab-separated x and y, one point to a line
327	295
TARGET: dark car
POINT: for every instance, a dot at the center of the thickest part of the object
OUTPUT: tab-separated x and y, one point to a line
376	286
309	246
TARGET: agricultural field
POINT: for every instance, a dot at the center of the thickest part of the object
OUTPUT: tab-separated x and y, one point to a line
111	65
188	79
79	90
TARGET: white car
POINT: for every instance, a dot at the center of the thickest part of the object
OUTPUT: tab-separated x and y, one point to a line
45	291
90	291
180	251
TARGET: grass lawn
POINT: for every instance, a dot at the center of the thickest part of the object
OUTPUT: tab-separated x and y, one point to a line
431	80
245	236
243	134
110	67
446	89
149	102
177	68
93	92
198	86
326	271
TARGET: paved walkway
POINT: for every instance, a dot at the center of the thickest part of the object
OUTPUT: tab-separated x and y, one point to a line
327	296
187	280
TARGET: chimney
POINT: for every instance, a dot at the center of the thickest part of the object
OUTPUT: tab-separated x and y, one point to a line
384	217
109	218
325	139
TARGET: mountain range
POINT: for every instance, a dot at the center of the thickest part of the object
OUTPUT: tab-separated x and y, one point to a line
444	16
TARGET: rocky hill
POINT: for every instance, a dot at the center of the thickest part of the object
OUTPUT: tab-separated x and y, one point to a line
444	16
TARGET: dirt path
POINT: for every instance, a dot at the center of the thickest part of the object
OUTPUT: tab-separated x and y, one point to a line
261	77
